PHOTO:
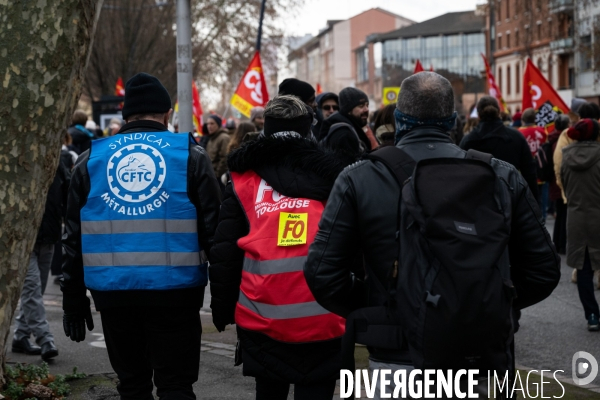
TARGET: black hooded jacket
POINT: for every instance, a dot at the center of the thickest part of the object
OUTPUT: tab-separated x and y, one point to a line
506	144
294	167
336	118
316	129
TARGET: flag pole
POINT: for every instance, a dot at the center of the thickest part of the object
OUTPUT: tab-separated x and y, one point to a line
184	66
260	25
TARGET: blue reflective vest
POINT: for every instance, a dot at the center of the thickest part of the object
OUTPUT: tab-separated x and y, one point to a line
138	226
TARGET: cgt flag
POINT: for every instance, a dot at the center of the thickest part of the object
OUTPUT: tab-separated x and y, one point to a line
252	89
492	87
538	91
119	88
196	109
418	67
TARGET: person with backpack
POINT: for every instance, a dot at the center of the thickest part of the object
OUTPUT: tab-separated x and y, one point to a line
269	216
468	219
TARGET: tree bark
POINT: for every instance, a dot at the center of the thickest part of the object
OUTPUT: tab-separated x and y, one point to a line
44	48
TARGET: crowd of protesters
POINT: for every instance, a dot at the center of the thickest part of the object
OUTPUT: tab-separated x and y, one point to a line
307	226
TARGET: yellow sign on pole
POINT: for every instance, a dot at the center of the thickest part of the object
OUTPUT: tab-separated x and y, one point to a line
390	95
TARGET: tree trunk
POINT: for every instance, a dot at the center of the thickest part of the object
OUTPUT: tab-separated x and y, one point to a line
44	47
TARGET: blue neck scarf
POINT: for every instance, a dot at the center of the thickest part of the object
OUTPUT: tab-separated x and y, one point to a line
406	123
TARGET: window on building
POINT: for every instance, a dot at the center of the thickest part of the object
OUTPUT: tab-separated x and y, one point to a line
539	31
539	63
518	78
507	8
327	40
362	65
377	58
500	79
499	42
586	53
508	40
508	77
550	75
517	41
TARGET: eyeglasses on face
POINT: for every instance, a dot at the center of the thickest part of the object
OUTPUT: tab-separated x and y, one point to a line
329	107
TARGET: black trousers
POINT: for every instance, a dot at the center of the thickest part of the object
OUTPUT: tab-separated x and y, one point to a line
585	287
559	236
267	389
164	342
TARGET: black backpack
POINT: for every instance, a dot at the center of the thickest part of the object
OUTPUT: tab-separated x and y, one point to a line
449	294
545	162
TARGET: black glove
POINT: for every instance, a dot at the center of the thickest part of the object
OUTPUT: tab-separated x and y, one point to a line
74	322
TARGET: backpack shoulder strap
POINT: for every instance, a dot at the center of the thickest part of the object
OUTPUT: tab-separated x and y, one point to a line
400	163
478	155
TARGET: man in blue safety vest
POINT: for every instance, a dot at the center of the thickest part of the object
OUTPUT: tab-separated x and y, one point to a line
142	211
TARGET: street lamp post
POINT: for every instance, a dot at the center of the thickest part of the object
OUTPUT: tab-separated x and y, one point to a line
184	66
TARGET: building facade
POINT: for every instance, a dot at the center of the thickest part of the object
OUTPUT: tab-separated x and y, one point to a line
542	31
328	58
450	44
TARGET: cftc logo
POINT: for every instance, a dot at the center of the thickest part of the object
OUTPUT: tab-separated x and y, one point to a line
136	172
581	368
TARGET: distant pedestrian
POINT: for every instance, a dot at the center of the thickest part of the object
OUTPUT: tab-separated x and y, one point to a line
270	215
143	208
385	126
559	236
581	180
238	136
257	117
535	136
503	142
354	110
216	147
81	137
32	315
327	104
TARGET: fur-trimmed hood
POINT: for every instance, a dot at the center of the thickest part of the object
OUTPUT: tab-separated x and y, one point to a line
294	166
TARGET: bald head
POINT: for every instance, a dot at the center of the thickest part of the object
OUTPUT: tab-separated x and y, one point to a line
426	95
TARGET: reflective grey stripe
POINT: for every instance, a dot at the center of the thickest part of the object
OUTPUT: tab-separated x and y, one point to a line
269	267
128	259
139	226
286	311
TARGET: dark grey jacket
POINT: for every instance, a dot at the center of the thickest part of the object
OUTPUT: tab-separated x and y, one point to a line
362	212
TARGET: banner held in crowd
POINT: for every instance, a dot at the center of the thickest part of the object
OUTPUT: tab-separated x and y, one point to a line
538	90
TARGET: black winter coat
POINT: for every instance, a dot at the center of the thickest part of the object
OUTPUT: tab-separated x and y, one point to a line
56	205
337	118
506	144
362	212
203	191
82	139
294	167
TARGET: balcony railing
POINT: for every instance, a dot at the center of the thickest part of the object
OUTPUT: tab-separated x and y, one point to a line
561	6
562	46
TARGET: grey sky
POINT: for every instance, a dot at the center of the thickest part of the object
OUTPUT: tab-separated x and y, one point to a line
313	14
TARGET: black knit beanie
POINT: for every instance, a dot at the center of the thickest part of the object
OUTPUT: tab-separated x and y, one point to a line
144	94
351	97
301	125
304	91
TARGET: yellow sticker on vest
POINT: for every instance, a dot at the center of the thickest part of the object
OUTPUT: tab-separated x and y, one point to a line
292	229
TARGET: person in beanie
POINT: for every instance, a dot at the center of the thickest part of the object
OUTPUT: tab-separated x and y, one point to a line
269	216
80	135
257	117
327	104
354	110
304	91
580	172
218	142
141	215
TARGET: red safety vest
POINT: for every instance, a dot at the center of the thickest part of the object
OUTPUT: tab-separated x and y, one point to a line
274	296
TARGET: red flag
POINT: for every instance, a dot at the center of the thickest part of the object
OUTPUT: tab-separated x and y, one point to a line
119	88
418	67
319	89
431	67
537	90
196	109
492	87
252	89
